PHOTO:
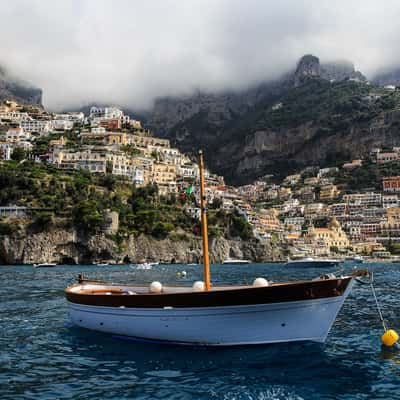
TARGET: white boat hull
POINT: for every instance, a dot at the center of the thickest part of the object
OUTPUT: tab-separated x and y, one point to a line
307	320
313	263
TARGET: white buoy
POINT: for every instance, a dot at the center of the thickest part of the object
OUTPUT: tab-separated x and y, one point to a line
198	286
155	287
183	273
260	282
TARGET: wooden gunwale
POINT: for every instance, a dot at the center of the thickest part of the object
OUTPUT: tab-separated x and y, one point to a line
141	297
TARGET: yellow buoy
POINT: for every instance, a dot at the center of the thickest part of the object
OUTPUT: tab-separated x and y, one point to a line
390	337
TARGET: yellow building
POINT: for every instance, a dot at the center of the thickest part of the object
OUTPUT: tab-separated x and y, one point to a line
368	247
58	142
146	141
164	175
284	192
107	138
331	236
328	192
115	138
311	181
393	217
269	222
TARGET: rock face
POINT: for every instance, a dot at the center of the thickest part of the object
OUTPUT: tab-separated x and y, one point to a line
216	108
18	90
170	113
62	246
388	78
340	70
243	137
309	67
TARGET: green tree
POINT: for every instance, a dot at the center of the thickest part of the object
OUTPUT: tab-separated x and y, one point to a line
88	216
18	154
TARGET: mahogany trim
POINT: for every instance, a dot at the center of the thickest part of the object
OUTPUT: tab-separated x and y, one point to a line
280	293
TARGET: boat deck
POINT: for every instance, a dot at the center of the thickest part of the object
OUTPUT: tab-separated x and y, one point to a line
100	288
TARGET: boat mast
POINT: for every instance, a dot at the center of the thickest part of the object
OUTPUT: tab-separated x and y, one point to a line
204	231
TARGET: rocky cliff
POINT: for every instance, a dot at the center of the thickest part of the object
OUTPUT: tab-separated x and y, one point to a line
319	113
66	246
219	108
391	77
18	90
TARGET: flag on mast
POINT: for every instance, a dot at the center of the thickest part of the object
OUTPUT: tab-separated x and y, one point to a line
189	189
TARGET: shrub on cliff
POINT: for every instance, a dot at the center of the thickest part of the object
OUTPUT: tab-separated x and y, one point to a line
239	227
18	154
162	229
43	220
88	216
7	229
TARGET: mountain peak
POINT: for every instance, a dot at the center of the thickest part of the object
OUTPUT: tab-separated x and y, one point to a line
308	66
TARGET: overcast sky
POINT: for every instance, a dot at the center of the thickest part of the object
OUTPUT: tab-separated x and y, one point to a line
128	52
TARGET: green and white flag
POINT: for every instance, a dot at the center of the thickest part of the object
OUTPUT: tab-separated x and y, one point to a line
189	189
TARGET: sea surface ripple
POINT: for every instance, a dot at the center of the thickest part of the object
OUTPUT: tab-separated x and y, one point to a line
43	357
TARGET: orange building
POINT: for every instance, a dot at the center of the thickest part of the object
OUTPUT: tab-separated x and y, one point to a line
391	184
111	124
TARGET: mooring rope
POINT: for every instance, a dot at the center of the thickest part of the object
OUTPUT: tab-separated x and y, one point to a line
376	302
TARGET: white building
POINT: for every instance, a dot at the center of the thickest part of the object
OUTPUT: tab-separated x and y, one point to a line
72	116
389	201
13	211
194	212
188	171
296	221
290	205
15	116
16	135
108	113
98	130
94	166
135	124
124	168
34	125
325	171
62	124
5	151
365	199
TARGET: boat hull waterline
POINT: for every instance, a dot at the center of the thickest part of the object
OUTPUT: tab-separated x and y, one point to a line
289	321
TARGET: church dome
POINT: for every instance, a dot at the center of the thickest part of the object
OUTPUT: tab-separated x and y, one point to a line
334	223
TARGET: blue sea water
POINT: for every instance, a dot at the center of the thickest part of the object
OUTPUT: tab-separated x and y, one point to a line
43	357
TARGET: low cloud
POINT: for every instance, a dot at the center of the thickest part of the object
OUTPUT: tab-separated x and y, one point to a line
130	52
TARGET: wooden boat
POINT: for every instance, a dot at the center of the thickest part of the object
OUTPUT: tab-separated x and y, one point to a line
264	312
223	315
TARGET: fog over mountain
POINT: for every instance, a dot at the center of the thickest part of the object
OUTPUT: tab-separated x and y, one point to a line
130	52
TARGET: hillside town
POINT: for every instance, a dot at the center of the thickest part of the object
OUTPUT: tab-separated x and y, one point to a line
307	213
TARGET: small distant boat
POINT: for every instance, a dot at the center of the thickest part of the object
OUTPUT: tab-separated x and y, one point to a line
233	261
102	264
313	262
356	259
45	265
144	265
153	264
